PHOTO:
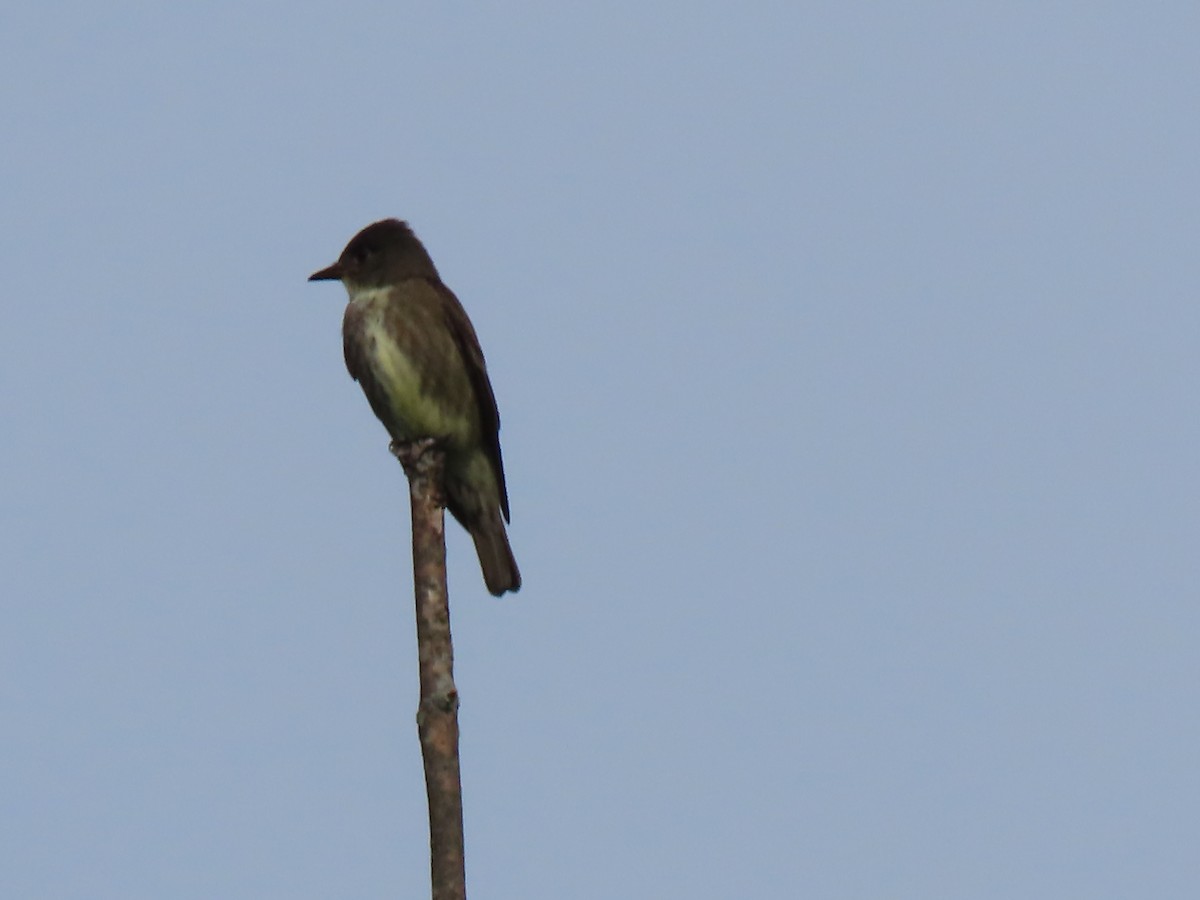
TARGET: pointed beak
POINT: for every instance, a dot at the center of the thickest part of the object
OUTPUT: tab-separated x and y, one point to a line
332	273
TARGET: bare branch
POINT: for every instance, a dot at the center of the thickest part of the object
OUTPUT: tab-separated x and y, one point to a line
437	714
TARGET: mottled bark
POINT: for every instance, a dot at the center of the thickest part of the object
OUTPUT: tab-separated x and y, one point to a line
437	714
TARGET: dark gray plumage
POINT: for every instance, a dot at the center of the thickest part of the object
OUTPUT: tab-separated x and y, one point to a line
409	344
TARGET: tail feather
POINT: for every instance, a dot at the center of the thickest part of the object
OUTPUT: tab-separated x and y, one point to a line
495	555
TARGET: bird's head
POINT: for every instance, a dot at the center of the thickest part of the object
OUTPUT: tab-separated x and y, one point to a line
381	254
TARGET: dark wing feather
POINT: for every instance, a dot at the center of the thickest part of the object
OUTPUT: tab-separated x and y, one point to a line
472	354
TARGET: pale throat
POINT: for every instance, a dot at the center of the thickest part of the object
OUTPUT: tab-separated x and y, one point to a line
366	296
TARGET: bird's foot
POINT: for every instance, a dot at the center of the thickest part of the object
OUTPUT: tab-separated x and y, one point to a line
412	454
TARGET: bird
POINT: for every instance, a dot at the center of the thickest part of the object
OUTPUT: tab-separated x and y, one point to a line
411	347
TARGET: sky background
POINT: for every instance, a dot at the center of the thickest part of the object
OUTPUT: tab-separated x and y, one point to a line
846	358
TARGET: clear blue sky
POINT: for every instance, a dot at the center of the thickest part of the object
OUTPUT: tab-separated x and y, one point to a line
847	362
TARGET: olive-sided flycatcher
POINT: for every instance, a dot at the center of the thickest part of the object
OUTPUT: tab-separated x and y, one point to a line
410	345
